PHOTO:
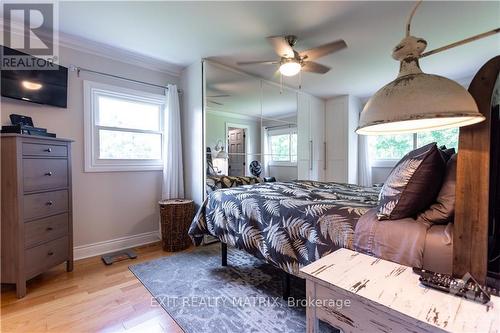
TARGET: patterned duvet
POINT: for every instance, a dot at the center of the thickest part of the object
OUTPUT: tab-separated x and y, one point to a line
287	224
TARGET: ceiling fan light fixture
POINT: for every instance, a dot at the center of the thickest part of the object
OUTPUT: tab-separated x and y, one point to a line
290	68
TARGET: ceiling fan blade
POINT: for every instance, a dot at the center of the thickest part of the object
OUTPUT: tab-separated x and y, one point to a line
314	67
216	103
320	51
281	46
268	62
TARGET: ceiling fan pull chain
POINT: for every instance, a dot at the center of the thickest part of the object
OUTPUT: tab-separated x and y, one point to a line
281	83
300	80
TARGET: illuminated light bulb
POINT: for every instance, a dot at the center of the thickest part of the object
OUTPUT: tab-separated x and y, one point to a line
290	68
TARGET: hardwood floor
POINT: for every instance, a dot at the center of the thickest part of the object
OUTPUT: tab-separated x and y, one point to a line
92	298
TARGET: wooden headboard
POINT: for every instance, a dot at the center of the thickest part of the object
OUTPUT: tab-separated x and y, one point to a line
470	239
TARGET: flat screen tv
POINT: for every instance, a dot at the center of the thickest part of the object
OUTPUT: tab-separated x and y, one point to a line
35	85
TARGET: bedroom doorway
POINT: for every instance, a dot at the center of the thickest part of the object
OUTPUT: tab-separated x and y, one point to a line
236	148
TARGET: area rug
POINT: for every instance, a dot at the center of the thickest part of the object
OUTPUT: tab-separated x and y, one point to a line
202	296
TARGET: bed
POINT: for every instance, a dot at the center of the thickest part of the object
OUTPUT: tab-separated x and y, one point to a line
288	224
410	242
292	224
295	223
215	182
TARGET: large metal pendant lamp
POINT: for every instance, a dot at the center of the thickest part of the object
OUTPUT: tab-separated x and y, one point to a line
416	101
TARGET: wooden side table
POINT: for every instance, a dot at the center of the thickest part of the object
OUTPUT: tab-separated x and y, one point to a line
358	293
176	217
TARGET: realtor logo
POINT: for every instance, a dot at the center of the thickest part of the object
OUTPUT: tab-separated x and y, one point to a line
29	28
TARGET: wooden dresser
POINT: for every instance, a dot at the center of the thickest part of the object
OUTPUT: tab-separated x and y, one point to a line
36	225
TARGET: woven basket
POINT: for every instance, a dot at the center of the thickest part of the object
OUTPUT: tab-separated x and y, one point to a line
176	217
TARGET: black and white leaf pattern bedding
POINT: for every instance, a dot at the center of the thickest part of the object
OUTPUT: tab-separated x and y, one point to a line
214	183
287	224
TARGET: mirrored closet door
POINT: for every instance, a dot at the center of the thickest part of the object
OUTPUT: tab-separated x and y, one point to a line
252	129
279	132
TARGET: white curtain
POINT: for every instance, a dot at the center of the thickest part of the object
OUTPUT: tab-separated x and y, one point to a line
364	166
173	178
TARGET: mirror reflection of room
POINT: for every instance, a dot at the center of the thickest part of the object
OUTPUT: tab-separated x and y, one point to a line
250	128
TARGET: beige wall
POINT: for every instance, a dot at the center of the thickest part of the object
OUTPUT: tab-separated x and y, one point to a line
108	205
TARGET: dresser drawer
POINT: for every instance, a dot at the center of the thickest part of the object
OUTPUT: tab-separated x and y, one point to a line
45	204
45	256
44	230
44	174
40	149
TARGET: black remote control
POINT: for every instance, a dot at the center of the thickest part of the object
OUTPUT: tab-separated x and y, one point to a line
469	289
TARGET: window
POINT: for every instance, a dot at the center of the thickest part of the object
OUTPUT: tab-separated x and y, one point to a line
123	129
386	150
448	137
283	146
390	147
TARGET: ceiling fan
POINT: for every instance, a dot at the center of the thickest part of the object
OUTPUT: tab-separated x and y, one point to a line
292	61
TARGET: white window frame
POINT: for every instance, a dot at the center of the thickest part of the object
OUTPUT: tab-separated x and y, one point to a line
280	131
91	130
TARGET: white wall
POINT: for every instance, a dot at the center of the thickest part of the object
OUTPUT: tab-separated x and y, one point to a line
110	205
282	173
380	174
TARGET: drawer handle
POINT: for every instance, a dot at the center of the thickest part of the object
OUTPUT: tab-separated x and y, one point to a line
49	229
50	253
48	173
49	203
48	150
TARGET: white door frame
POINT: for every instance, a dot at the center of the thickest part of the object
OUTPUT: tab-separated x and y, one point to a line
247	139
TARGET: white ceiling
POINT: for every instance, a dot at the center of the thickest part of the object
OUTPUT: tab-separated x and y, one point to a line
231	91
183	32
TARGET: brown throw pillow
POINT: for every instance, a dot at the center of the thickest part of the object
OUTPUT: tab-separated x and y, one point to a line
413	184
447	153
442	211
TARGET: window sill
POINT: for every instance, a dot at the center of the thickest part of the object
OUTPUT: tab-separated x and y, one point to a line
122	168
282	164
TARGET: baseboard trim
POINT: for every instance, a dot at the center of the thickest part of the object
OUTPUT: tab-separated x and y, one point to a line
117	244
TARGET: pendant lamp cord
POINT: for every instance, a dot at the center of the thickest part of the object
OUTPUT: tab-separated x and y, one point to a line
408	23
449	46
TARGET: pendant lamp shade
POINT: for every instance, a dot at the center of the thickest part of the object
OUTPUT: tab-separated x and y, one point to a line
418	102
